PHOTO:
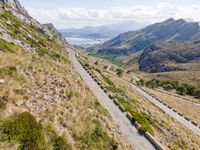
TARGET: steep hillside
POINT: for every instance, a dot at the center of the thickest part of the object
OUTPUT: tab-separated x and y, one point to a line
134	41
170	56
57	36
44	104
18	11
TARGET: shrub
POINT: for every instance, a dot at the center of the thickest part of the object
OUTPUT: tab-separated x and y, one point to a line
141	118
98	70
96	138
168	86
8	70
96	63
157	82
6	47
140	82
2	105
151	84
174	84
107	80
114	89
24	129
181	89
61	144
197	92
119	72
105	67
86	65
190	90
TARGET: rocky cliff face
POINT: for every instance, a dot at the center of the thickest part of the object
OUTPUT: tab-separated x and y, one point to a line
16	5
21	13
54	32
170	56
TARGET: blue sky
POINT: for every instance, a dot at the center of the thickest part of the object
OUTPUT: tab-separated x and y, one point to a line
79	13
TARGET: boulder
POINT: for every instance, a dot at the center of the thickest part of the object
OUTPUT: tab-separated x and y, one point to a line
2	81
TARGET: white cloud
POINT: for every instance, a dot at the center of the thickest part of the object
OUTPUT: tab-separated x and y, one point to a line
145	14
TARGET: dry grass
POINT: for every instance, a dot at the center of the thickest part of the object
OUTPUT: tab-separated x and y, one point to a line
168	131
56	95
185	107
47	85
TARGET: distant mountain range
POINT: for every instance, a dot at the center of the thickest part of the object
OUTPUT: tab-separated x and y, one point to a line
164	46
105	31
134	41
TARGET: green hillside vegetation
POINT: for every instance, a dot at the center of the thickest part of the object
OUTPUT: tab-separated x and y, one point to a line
24	129
133	41
181	88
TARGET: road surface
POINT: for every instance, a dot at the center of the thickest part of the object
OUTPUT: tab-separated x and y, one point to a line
138	141
169	111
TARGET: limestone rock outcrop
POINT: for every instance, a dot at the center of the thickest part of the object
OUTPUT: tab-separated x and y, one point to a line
20	12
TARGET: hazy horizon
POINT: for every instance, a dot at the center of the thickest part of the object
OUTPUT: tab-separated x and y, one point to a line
77	14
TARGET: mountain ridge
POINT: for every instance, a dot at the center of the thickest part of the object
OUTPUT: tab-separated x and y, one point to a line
104	31
133	41
22	14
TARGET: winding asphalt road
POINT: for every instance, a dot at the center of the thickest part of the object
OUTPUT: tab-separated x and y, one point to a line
138	141
175	115
169	111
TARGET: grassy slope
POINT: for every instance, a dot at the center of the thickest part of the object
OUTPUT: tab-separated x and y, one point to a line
45	84
167	130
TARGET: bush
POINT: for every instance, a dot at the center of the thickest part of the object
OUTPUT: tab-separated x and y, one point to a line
197	92
119	72
140	82
96	63
157	82
105	67
86	65
2	105
141	118
96	138
174	84
191	90
168	87
8	70
181	89
24	129
98	70
107	80
151	84
61	144
6	47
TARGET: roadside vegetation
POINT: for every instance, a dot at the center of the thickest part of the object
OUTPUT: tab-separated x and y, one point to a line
120	95
163	127
141	117
31	135
181	88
